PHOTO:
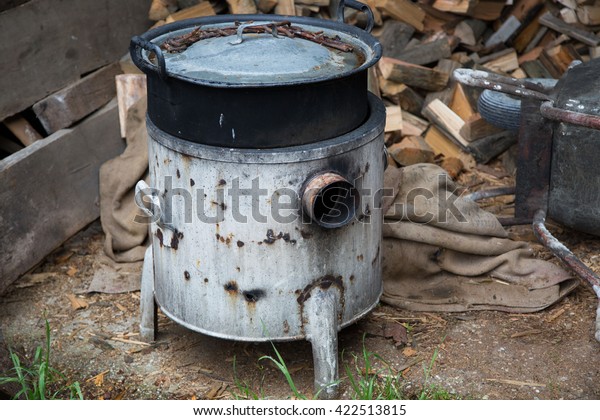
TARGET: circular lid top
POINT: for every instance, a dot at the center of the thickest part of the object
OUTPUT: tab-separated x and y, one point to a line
260	53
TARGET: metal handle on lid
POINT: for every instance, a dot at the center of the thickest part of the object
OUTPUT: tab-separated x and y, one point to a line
356	5
240	30
138	43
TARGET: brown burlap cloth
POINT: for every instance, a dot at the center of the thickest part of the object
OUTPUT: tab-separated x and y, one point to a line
441	252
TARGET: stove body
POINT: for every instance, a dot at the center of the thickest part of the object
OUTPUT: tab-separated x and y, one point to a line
235	255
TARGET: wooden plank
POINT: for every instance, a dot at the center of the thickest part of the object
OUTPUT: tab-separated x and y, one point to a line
523	8
409	100
413	75
22	130
404	11
53	42
504	64
588	38
69	105
58	177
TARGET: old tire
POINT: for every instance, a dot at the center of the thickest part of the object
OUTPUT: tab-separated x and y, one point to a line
504	110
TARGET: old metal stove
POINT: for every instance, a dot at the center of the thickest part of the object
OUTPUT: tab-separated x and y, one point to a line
265	180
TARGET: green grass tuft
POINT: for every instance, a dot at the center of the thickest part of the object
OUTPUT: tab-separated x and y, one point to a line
39	380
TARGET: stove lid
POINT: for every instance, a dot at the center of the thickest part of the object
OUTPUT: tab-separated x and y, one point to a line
260	53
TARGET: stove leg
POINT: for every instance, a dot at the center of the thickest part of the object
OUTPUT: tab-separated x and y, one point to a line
148	309
321	312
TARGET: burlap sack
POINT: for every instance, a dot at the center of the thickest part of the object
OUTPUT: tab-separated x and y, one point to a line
126	239
442	252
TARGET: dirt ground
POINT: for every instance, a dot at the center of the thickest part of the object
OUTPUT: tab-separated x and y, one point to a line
481	355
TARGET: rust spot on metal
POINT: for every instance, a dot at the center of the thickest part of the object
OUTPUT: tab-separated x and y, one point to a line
352	277
192	182
159	235
240	244
324	283
222	182
271	238
286	327
367	166
217	236
238	269
178	173
177	236
252	296
205	280
231	287
166	161
223	206
186	275
360	257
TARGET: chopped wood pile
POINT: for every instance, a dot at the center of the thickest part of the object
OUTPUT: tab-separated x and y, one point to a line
430	117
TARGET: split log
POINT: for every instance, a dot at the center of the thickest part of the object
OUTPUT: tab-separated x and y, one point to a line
413	75
69	105
404	11
487	148
242	7
413	125
453	166
203	8
393	119
130	89
404	96
469	31
441	115
394	37
22	129
444	95
461	7
160	9
476	128
266	6
506	30
588	38
487	10
429	52
285	7
411	150
589	15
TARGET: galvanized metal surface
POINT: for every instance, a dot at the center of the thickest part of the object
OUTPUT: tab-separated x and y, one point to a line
260	58
251	280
